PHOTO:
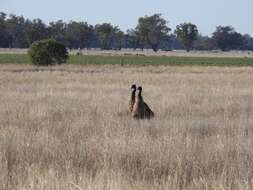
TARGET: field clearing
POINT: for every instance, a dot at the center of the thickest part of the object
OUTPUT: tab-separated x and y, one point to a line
67	127
139	60
145	52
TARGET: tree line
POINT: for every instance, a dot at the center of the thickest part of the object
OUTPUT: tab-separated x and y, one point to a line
151	32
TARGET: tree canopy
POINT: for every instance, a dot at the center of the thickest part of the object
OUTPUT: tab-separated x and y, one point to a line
152	29
48	52
187	33
106	34
151	32
226	38
79	34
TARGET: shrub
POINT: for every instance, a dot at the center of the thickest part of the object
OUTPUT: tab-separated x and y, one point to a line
48	52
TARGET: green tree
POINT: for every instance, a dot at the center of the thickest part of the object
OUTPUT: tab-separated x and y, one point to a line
57	31
3	32
79	34
119	39
48	52
105	33
187	34
133	39
226	38
249	42
35	30
152	29
204	43
15	27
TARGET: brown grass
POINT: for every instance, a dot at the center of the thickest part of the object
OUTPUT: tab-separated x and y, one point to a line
68	128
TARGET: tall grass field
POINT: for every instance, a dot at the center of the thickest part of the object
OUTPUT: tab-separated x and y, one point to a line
68	127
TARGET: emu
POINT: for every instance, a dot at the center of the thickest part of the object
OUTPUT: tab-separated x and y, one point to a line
140	109
132	98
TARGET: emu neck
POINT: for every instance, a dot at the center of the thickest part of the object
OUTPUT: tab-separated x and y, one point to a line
139	97
133	95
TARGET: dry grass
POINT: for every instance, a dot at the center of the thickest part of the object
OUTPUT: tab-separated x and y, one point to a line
69	129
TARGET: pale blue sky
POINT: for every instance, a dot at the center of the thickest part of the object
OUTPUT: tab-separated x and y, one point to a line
206	14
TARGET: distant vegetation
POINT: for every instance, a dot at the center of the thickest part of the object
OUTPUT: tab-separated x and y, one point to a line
151	32
137	60
187	33
48	52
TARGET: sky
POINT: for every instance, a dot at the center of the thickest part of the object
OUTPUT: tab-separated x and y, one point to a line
206	14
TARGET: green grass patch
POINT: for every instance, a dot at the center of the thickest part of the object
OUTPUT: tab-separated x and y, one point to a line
14	58
137	60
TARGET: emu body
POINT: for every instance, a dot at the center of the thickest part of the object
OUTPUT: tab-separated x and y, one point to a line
140	109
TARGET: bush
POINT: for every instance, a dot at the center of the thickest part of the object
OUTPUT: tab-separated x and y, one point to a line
48	52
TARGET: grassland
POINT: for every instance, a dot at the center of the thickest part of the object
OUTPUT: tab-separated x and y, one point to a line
139	60
67	127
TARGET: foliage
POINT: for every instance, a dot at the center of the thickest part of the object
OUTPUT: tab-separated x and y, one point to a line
15	28
187	33
3	31
204	43
79	34
248	42
48	52
35	30
58	31
152	29
226	38
106	33
119	38
133	39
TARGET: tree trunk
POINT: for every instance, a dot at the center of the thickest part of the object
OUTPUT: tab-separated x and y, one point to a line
155	47
188	47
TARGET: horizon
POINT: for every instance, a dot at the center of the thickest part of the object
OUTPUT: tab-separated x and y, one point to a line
112	12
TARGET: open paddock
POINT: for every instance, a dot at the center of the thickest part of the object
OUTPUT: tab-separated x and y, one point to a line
67	127
145	52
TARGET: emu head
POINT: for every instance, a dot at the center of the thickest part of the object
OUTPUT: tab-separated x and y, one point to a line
139	88
133	87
